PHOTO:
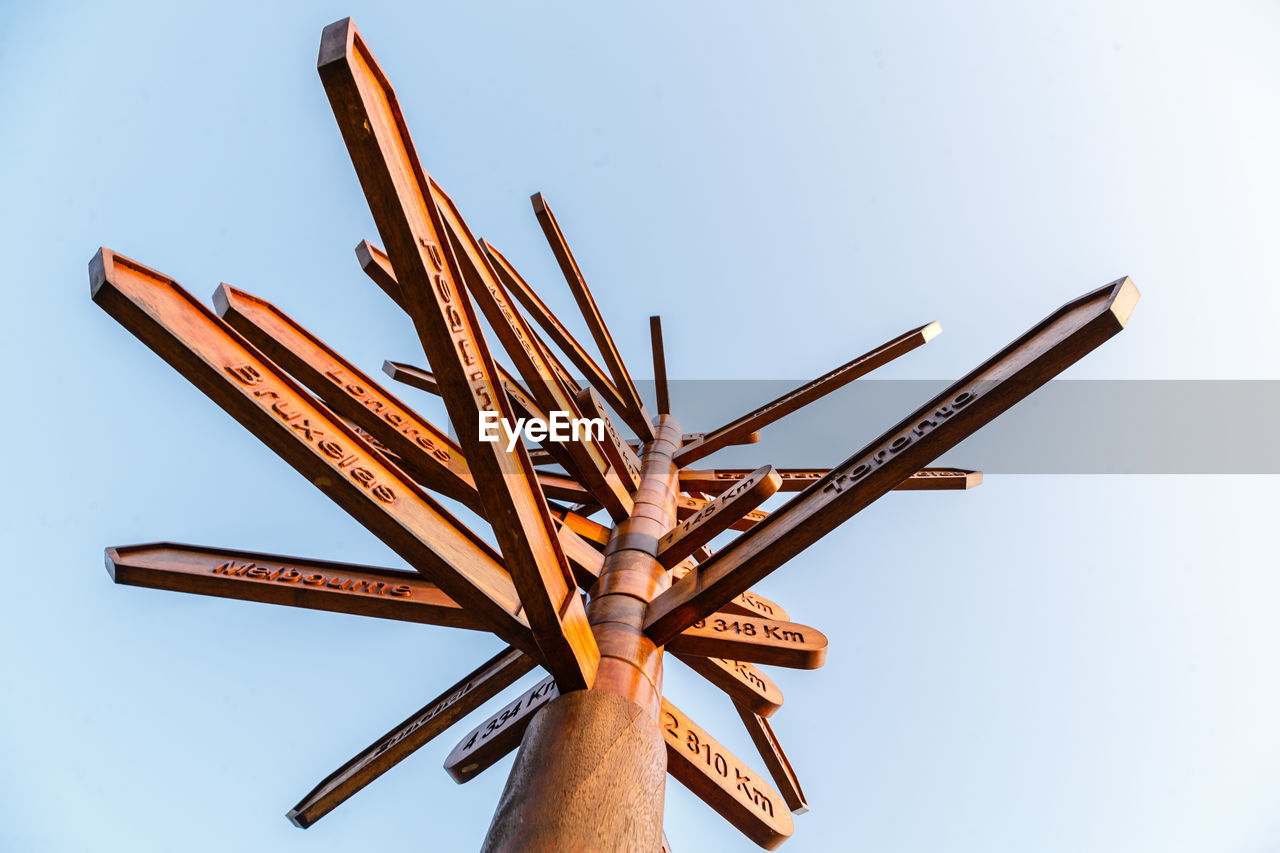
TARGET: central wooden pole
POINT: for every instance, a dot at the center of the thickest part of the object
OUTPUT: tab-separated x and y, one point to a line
591	771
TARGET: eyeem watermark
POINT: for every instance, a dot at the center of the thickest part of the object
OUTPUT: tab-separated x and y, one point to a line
560	428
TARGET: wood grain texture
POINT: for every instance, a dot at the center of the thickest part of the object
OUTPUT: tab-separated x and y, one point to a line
1051	346
806	394
431	270
417	730
590	776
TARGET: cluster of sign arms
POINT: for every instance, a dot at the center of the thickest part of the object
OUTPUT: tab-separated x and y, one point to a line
381	461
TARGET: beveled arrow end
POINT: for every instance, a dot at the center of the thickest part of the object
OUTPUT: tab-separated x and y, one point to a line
1124	299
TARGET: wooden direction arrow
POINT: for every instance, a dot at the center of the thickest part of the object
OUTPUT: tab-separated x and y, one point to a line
377	266
426	453
721	780
774	759
632	411
227	368
532	360
592	531
541	456
294	581
1050	347
430	275
940	480
556	330
752	639
423	380
585	559
806	394
493	676
713	519
616	450
486	744
688	505
659	366
746	603
716	480
747	685
499	735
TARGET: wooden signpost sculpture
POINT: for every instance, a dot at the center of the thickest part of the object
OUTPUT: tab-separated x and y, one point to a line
593	603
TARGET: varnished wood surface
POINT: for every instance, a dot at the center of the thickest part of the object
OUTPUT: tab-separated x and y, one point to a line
753	639
689	505
425	452
774	759
715	481
231	372
806	394
556	330
620	454
1047	349
431	269
723	781
718	515
590	777
633	410
661	391
497	736
292	581
745	683
745	603
586	459
421	727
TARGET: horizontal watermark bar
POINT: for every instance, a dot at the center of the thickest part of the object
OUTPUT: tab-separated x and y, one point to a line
1070	426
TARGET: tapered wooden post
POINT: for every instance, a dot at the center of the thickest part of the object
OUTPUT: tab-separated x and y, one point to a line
591	770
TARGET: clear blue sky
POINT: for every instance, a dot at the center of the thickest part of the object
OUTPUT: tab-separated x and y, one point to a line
1046	663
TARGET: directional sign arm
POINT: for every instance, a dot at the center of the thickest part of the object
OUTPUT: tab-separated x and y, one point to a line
425	452
806	394
532	360
774	758
556	330
721	780
633	410
659	366
314	441
292	581
489	679
716	480
486	744
700	528
753	639
1046	350
431	283
743	682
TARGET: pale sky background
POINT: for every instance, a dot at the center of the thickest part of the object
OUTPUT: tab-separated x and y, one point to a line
1043	664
